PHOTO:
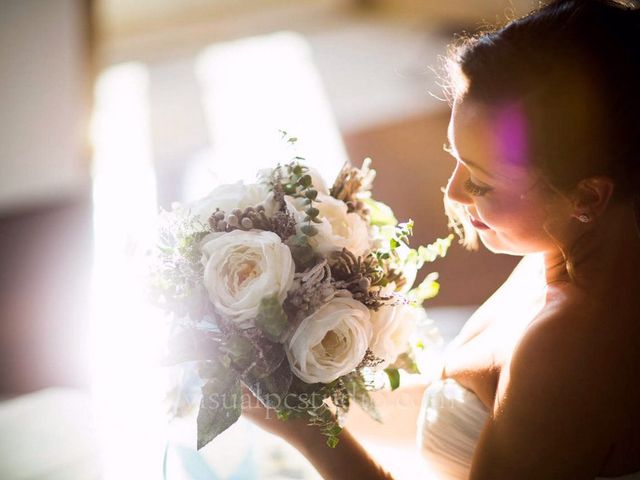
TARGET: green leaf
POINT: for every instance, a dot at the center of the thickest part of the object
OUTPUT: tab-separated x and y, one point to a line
214	369
381	214
303	255
240	350
394	377
289	189
271	319
309	230
406	362
306	181
312	212
357	390
332	442
220	407
272	389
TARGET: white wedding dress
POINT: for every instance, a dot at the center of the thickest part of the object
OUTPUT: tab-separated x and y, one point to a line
449	425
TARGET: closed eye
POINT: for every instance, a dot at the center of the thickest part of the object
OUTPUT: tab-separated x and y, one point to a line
474	189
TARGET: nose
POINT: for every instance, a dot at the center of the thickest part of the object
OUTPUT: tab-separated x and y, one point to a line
455	190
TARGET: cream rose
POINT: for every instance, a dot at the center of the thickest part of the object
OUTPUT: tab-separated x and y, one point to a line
392	330
234	195
317	180
242	267
338	229
331	342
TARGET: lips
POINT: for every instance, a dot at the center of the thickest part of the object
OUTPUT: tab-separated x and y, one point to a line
477	223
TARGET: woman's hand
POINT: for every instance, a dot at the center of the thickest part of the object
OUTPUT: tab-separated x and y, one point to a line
292	430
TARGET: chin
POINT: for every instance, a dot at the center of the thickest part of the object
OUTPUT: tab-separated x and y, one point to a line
496	245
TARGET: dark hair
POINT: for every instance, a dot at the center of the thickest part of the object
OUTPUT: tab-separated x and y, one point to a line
574	67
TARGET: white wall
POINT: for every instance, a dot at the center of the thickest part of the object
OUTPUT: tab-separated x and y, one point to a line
43	101
473	12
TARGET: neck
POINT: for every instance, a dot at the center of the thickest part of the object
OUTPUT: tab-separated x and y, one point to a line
555	267
607	251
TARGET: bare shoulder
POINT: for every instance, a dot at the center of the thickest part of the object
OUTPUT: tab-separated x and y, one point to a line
551	416
565	348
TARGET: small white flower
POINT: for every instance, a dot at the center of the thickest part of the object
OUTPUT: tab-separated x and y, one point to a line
338	229
331	342
393	326
242	267
234	195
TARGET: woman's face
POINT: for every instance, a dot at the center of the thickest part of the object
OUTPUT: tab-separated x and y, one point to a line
506	200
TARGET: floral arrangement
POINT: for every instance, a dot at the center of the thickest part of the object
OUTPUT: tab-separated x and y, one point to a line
300	292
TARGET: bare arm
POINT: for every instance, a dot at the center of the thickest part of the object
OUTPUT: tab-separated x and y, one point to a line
399	412
347	461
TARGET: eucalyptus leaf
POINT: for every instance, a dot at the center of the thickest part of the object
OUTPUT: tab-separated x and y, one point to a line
220	407
309	230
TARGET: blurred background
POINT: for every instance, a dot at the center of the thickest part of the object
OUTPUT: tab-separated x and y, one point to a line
109	108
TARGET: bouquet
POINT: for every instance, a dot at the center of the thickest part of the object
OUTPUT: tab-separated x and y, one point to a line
302	293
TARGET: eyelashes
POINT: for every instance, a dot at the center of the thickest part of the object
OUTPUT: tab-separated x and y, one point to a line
475	189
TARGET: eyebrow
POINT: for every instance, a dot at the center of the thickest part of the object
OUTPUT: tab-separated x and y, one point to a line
449	149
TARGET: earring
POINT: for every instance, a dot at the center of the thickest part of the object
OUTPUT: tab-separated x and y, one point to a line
584	218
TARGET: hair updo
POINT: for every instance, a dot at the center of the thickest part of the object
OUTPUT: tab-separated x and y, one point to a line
573	66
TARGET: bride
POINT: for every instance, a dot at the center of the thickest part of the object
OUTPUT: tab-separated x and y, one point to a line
543	382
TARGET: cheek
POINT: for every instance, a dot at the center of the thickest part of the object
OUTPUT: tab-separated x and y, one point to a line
500	211
514	220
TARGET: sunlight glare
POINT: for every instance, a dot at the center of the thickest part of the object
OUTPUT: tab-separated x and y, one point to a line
126	332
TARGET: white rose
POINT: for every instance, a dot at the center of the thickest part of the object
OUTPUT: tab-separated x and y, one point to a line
331	342
242	267
234	195
338	229
392	330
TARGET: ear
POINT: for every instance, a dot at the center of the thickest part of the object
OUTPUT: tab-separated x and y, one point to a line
591	196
